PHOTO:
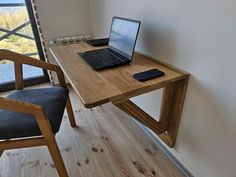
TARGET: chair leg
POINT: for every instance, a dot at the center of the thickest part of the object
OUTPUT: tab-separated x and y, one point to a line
70	113
56	156
1	152
51	143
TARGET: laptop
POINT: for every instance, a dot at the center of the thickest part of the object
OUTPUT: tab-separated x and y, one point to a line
121	45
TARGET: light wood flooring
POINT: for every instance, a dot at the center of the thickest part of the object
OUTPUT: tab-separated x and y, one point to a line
106	143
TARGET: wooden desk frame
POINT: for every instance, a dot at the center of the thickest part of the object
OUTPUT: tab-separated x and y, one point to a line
118	86
171	108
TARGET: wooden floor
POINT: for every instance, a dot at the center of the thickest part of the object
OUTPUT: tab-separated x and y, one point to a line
106	143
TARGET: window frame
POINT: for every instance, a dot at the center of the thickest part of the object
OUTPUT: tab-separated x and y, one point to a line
7	86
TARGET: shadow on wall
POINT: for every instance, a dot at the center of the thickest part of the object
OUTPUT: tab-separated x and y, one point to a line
204	132
158	40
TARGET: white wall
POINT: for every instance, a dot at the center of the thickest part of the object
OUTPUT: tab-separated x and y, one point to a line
61	18
199	37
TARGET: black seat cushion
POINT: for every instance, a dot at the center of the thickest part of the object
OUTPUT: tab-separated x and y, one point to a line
18	125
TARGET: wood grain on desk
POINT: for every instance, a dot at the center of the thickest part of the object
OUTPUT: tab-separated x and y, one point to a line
110	85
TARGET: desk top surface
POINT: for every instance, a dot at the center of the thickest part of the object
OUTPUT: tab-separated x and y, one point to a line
109	85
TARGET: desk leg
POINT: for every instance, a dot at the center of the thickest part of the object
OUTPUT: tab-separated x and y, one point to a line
70	113
170	114
175	110
134	111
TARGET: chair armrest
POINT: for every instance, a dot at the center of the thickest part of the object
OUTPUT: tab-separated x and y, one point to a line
19	106
28	108
20	59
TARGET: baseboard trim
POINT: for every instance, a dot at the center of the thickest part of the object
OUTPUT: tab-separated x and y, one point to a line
168	154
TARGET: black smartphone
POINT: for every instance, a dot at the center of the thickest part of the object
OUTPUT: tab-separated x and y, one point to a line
150	74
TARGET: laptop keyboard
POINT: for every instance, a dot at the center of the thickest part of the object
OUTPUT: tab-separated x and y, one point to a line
99	59
106	58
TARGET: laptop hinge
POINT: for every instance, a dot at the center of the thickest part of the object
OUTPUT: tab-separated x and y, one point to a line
117	54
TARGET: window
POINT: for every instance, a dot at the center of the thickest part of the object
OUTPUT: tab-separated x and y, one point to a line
18	32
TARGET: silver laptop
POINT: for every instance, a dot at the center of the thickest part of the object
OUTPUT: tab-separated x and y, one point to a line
122	41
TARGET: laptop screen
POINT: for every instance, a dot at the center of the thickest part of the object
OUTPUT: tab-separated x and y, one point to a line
123	36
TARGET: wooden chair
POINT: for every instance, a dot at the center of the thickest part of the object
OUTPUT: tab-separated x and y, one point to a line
32	117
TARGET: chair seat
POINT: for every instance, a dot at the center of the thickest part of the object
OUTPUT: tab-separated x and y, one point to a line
18	125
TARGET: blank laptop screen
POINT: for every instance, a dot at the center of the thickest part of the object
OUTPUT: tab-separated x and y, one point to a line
123	36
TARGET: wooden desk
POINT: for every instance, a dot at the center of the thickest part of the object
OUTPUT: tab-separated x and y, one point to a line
117	85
